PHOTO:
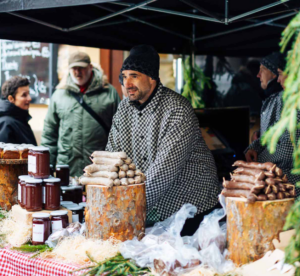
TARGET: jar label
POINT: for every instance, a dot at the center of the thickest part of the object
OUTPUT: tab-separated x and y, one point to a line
31	163
56	225
19	192
38	232
44	195
75	218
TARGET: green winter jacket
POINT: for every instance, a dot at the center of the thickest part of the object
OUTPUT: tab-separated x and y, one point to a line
70	132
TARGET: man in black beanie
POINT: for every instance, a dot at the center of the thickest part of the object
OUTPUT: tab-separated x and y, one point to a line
268	74
159	130
270	115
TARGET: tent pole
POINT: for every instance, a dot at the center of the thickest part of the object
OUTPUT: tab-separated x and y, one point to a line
226	12
37	21
132	18
200	9
171	12
130	8
246	27
270	24
257	10
193	47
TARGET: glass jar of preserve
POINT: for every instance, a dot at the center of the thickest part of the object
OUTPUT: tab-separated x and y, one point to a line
51	170
40	228
77	213
83	204
77	194
23	192
34	194
39	162
52	193
70	205
68	193
20	181
63	172
59	220
66	202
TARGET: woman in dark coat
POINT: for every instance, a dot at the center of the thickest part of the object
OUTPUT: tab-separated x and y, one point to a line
14	115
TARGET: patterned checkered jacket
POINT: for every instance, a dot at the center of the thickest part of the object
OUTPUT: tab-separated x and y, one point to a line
165	142
283	156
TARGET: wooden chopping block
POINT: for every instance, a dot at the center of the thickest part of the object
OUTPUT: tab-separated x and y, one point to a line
251	228
118	211
10	169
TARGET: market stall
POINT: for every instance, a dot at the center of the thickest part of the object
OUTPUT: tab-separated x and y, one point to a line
45	233
113	238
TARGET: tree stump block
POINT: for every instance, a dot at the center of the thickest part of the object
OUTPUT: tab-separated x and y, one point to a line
10	169
119	212
252	227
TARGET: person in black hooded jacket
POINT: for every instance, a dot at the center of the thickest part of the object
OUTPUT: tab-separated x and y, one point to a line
14	115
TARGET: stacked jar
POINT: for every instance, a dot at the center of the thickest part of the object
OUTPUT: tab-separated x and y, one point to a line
21	190
77	213
42	225
63	172
59	220
39	162
40	228
83	204
40	190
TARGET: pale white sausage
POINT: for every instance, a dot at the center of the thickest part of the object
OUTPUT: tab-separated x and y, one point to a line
96	181
108	161
111	175
107	154
96	168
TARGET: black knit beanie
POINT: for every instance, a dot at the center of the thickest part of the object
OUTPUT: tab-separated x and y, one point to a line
274	61
144	59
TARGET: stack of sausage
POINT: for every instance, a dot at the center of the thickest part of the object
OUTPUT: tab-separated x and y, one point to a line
258	182
111	169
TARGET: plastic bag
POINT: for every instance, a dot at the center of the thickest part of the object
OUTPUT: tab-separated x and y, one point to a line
168	253
163	248
73	229
212	240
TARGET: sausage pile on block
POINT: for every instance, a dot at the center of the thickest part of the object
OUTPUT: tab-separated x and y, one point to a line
111	169
258	182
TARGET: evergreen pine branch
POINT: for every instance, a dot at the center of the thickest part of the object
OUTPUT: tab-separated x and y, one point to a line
194	85
288	122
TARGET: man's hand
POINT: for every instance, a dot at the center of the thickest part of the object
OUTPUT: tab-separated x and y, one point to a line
251	155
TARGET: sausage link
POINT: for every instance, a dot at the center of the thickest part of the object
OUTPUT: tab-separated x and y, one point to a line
262	197
278	172
280	195
285	179
271	196
274	189
268	166
259	174
235	193
269	174
237	185
244	178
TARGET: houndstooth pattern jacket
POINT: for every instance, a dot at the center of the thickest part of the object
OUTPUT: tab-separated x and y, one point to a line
164	140
283	156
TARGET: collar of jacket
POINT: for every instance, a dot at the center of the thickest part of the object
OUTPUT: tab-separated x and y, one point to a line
152	105
96	83
9	109
272	88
